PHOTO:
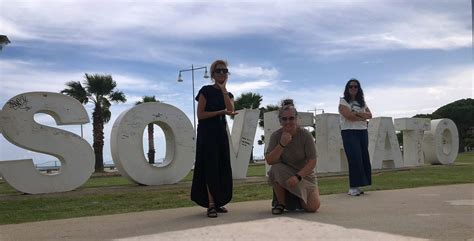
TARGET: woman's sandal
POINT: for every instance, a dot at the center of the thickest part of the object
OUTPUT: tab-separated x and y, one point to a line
278	209
212	212
221	210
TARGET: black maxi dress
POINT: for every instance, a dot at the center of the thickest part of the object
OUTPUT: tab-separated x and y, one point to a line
212	167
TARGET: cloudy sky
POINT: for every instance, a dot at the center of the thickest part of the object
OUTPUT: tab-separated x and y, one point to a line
411	56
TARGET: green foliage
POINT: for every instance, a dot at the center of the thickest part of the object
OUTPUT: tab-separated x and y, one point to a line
248	101
461	112
4	41
101	90
146	99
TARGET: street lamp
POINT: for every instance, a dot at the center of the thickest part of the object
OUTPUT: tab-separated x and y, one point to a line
315	110
192	74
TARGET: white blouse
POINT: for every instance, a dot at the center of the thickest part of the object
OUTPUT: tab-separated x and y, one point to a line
354	106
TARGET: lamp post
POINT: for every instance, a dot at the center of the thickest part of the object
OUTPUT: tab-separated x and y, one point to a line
315	110
192	74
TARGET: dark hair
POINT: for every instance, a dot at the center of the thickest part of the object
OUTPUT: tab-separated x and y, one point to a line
359	96
287	104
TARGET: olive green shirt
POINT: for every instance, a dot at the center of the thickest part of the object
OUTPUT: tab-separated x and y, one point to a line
298	151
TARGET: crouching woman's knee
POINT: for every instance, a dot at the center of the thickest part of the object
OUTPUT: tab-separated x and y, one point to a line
313	207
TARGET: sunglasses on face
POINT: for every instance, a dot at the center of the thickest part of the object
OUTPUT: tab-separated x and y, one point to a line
221	71
353	86
291	118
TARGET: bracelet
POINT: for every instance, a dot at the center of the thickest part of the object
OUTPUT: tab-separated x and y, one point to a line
281	145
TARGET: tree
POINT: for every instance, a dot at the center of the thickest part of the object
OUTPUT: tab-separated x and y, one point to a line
248	101
151	142
261	123
3	41
461	112
99	89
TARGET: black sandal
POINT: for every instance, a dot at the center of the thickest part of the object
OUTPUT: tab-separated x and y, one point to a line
278	209
222	210
212	212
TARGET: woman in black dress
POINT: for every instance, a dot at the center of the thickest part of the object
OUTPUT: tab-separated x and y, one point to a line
212	179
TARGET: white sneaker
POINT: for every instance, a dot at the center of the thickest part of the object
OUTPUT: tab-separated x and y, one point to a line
353	191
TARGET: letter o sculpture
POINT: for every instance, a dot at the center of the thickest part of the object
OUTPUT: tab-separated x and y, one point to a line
441	143
127	144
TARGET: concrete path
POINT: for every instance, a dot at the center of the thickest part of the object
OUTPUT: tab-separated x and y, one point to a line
439	212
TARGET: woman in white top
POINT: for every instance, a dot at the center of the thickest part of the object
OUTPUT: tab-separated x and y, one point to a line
354	115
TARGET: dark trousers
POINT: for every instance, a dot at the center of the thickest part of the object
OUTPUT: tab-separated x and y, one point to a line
356	146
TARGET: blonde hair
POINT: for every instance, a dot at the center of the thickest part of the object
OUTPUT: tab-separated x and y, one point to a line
214	64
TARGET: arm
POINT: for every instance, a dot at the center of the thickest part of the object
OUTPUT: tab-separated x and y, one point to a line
202	114
273	156
310	151
348	114
305	171
366	115
229	103
308	168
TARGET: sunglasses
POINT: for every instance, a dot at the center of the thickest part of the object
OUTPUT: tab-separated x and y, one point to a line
221	71
291	118
353	86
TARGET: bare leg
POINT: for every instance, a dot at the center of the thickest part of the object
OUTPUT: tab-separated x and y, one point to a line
211	199
279	192
313	201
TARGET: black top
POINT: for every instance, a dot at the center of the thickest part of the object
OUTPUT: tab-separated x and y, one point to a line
214	99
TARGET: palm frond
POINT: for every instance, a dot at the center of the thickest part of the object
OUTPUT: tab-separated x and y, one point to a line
76	91
118	96
99	84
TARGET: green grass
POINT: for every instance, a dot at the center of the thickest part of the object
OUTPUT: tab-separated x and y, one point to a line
115	194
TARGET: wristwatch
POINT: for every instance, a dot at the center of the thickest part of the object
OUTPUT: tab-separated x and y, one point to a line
299	177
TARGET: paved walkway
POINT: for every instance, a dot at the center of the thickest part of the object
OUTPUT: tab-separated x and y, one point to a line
439	212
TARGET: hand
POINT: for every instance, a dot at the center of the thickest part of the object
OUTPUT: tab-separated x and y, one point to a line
231	113
292	181
363	115
226	112
222	86
285	138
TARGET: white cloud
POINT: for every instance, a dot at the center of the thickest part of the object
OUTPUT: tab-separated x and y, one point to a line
255	72
122	29
249	86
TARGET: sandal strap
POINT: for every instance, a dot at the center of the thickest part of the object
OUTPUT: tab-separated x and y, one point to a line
221	210
212	212
280	206
278	209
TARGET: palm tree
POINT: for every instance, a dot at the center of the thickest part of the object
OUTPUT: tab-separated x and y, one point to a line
249	101
3	41
99	89
263	110
151	142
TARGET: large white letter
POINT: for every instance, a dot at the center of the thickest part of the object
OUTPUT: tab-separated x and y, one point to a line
384	149
74	153
241	141
441	143
127	144
413	131
331	155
